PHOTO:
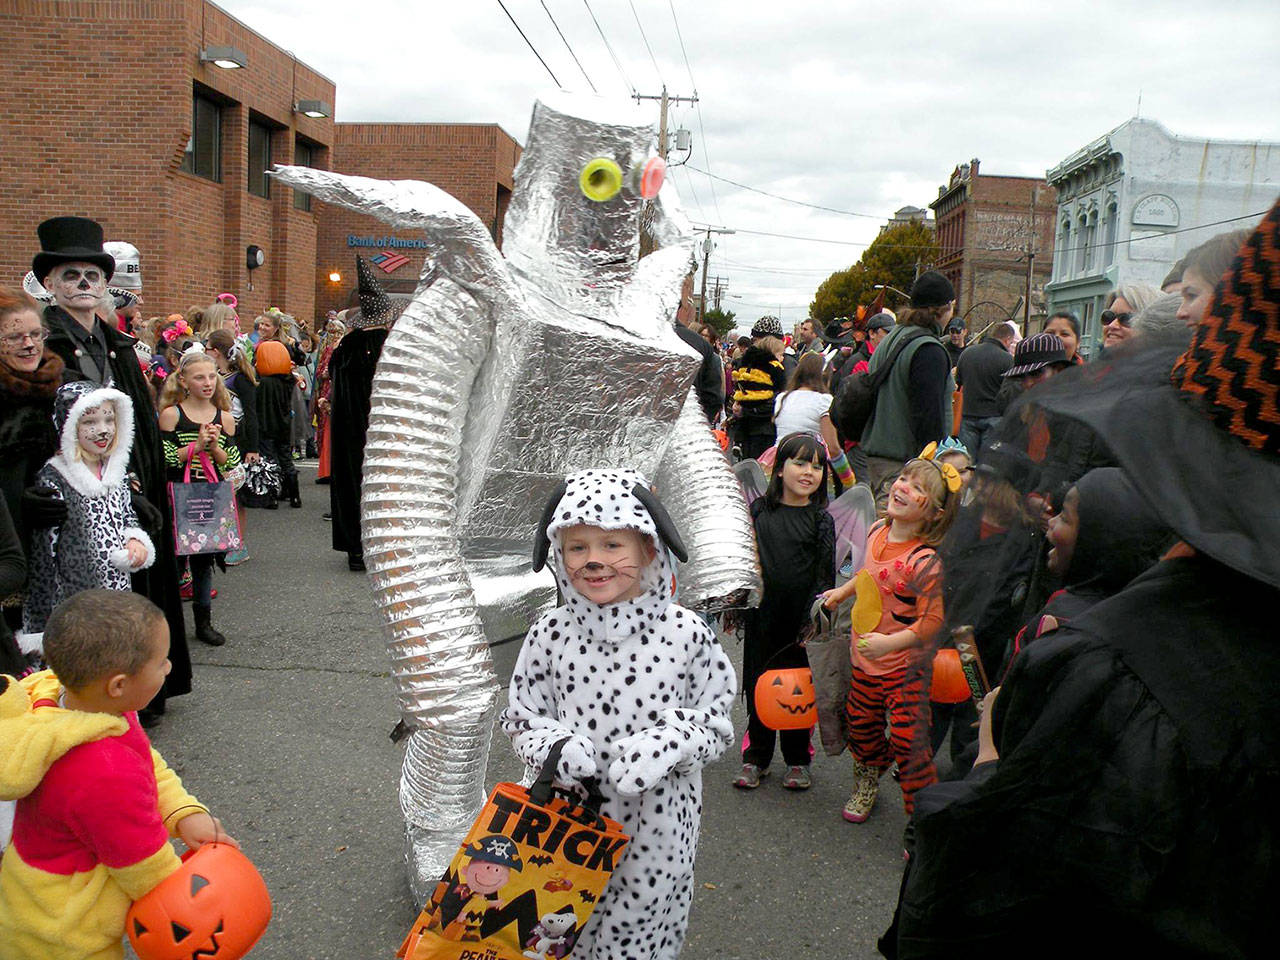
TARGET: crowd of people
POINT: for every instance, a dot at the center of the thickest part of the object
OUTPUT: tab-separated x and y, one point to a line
1031	504
101	407
1090	542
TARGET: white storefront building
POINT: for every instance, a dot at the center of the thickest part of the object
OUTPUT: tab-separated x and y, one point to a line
1133	202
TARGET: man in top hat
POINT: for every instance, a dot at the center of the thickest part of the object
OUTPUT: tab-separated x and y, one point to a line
351	371
75	269
1124	802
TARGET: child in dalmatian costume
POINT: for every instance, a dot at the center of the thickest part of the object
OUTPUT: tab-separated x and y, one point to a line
101	542
641	690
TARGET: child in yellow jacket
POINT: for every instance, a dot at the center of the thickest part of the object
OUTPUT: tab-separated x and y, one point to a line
96	805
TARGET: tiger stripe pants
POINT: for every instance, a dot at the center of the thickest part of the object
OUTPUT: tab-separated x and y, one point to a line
903	696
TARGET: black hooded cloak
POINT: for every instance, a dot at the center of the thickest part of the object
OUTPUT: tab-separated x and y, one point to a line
1132	811
351	368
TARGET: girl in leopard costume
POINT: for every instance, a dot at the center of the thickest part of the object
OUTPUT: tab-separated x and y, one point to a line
101	543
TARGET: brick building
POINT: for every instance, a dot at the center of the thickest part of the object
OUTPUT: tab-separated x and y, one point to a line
985	225
119	110
473	162
116	110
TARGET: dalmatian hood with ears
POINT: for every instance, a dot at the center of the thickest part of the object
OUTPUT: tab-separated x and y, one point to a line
612	500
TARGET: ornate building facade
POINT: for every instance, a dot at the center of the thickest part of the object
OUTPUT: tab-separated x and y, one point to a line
1134	201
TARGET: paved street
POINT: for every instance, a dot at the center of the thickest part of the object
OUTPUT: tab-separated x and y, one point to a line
285	737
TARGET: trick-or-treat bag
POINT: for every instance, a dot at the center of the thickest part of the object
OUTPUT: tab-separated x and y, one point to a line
204	513
525	880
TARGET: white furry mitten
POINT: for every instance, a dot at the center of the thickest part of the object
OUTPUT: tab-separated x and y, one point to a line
577	760
644	759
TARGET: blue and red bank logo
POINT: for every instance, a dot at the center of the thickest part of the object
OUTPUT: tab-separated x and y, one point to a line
389	262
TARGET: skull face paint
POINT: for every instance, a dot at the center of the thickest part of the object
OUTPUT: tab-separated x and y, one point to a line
77	287
96	432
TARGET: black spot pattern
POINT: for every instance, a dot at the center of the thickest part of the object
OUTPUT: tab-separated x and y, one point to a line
647	687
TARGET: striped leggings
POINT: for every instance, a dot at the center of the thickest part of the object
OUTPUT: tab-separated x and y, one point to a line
902	694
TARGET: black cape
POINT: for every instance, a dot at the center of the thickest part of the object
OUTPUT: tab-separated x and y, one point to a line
351	371
1132	811
159	583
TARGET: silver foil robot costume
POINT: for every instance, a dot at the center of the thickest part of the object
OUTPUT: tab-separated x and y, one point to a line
499	377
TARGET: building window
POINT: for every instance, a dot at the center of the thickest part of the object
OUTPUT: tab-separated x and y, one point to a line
1064	249
1090	241
303	156
203	156
259	159
1082	248
1109	255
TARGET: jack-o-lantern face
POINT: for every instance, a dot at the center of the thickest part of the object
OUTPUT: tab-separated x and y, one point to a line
785	699
214	906
949	683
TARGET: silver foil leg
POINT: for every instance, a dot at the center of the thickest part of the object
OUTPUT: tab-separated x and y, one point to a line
439	654
705	501
441	792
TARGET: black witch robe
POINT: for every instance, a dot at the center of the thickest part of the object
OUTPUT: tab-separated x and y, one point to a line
1132	811
158	583
351	371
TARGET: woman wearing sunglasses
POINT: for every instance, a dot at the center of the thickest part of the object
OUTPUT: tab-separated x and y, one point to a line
1125	303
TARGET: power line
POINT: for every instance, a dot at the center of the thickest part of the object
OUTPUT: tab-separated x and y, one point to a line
652	59
680	37
567	47
914	246
694	193
531	46
613	56
775	196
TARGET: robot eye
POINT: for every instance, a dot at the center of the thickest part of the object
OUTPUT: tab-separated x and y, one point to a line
601	179
647	180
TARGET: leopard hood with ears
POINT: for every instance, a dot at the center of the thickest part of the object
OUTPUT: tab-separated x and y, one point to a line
72	401
612	500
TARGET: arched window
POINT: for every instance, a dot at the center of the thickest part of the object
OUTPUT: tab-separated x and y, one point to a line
1064	248
1091	240
1109	254
1082	245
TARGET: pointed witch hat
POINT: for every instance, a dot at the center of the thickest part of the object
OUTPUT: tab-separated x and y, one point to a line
376	309
1197	429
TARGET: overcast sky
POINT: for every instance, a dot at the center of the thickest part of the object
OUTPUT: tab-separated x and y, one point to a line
860	106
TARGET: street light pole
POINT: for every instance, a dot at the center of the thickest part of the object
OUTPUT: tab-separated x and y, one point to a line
885	286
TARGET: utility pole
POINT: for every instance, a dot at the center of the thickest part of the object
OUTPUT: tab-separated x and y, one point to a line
706	260
1031	263
665	100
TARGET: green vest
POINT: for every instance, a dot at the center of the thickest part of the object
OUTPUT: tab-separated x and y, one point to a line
889	432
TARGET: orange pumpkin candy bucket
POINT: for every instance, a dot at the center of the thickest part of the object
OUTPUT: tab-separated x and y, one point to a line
215	905
785	699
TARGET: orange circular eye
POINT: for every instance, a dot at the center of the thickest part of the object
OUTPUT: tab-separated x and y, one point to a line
655	172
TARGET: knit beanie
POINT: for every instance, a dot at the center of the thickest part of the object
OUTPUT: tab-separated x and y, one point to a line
932	289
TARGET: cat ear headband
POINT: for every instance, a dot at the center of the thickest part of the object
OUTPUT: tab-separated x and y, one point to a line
950	475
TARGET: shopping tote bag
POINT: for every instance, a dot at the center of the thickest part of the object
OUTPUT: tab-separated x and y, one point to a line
204	513
525	880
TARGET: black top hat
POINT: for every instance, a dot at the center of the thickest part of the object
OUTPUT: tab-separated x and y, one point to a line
70	240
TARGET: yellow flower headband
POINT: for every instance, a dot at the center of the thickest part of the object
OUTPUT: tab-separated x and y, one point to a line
950	475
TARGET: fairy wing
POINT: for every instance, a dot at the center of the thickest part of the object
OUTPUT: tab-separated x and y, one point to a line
752	479
854	511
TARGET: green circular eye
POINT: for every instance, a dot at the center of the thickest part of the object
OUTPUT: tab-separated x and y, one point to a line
600	180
